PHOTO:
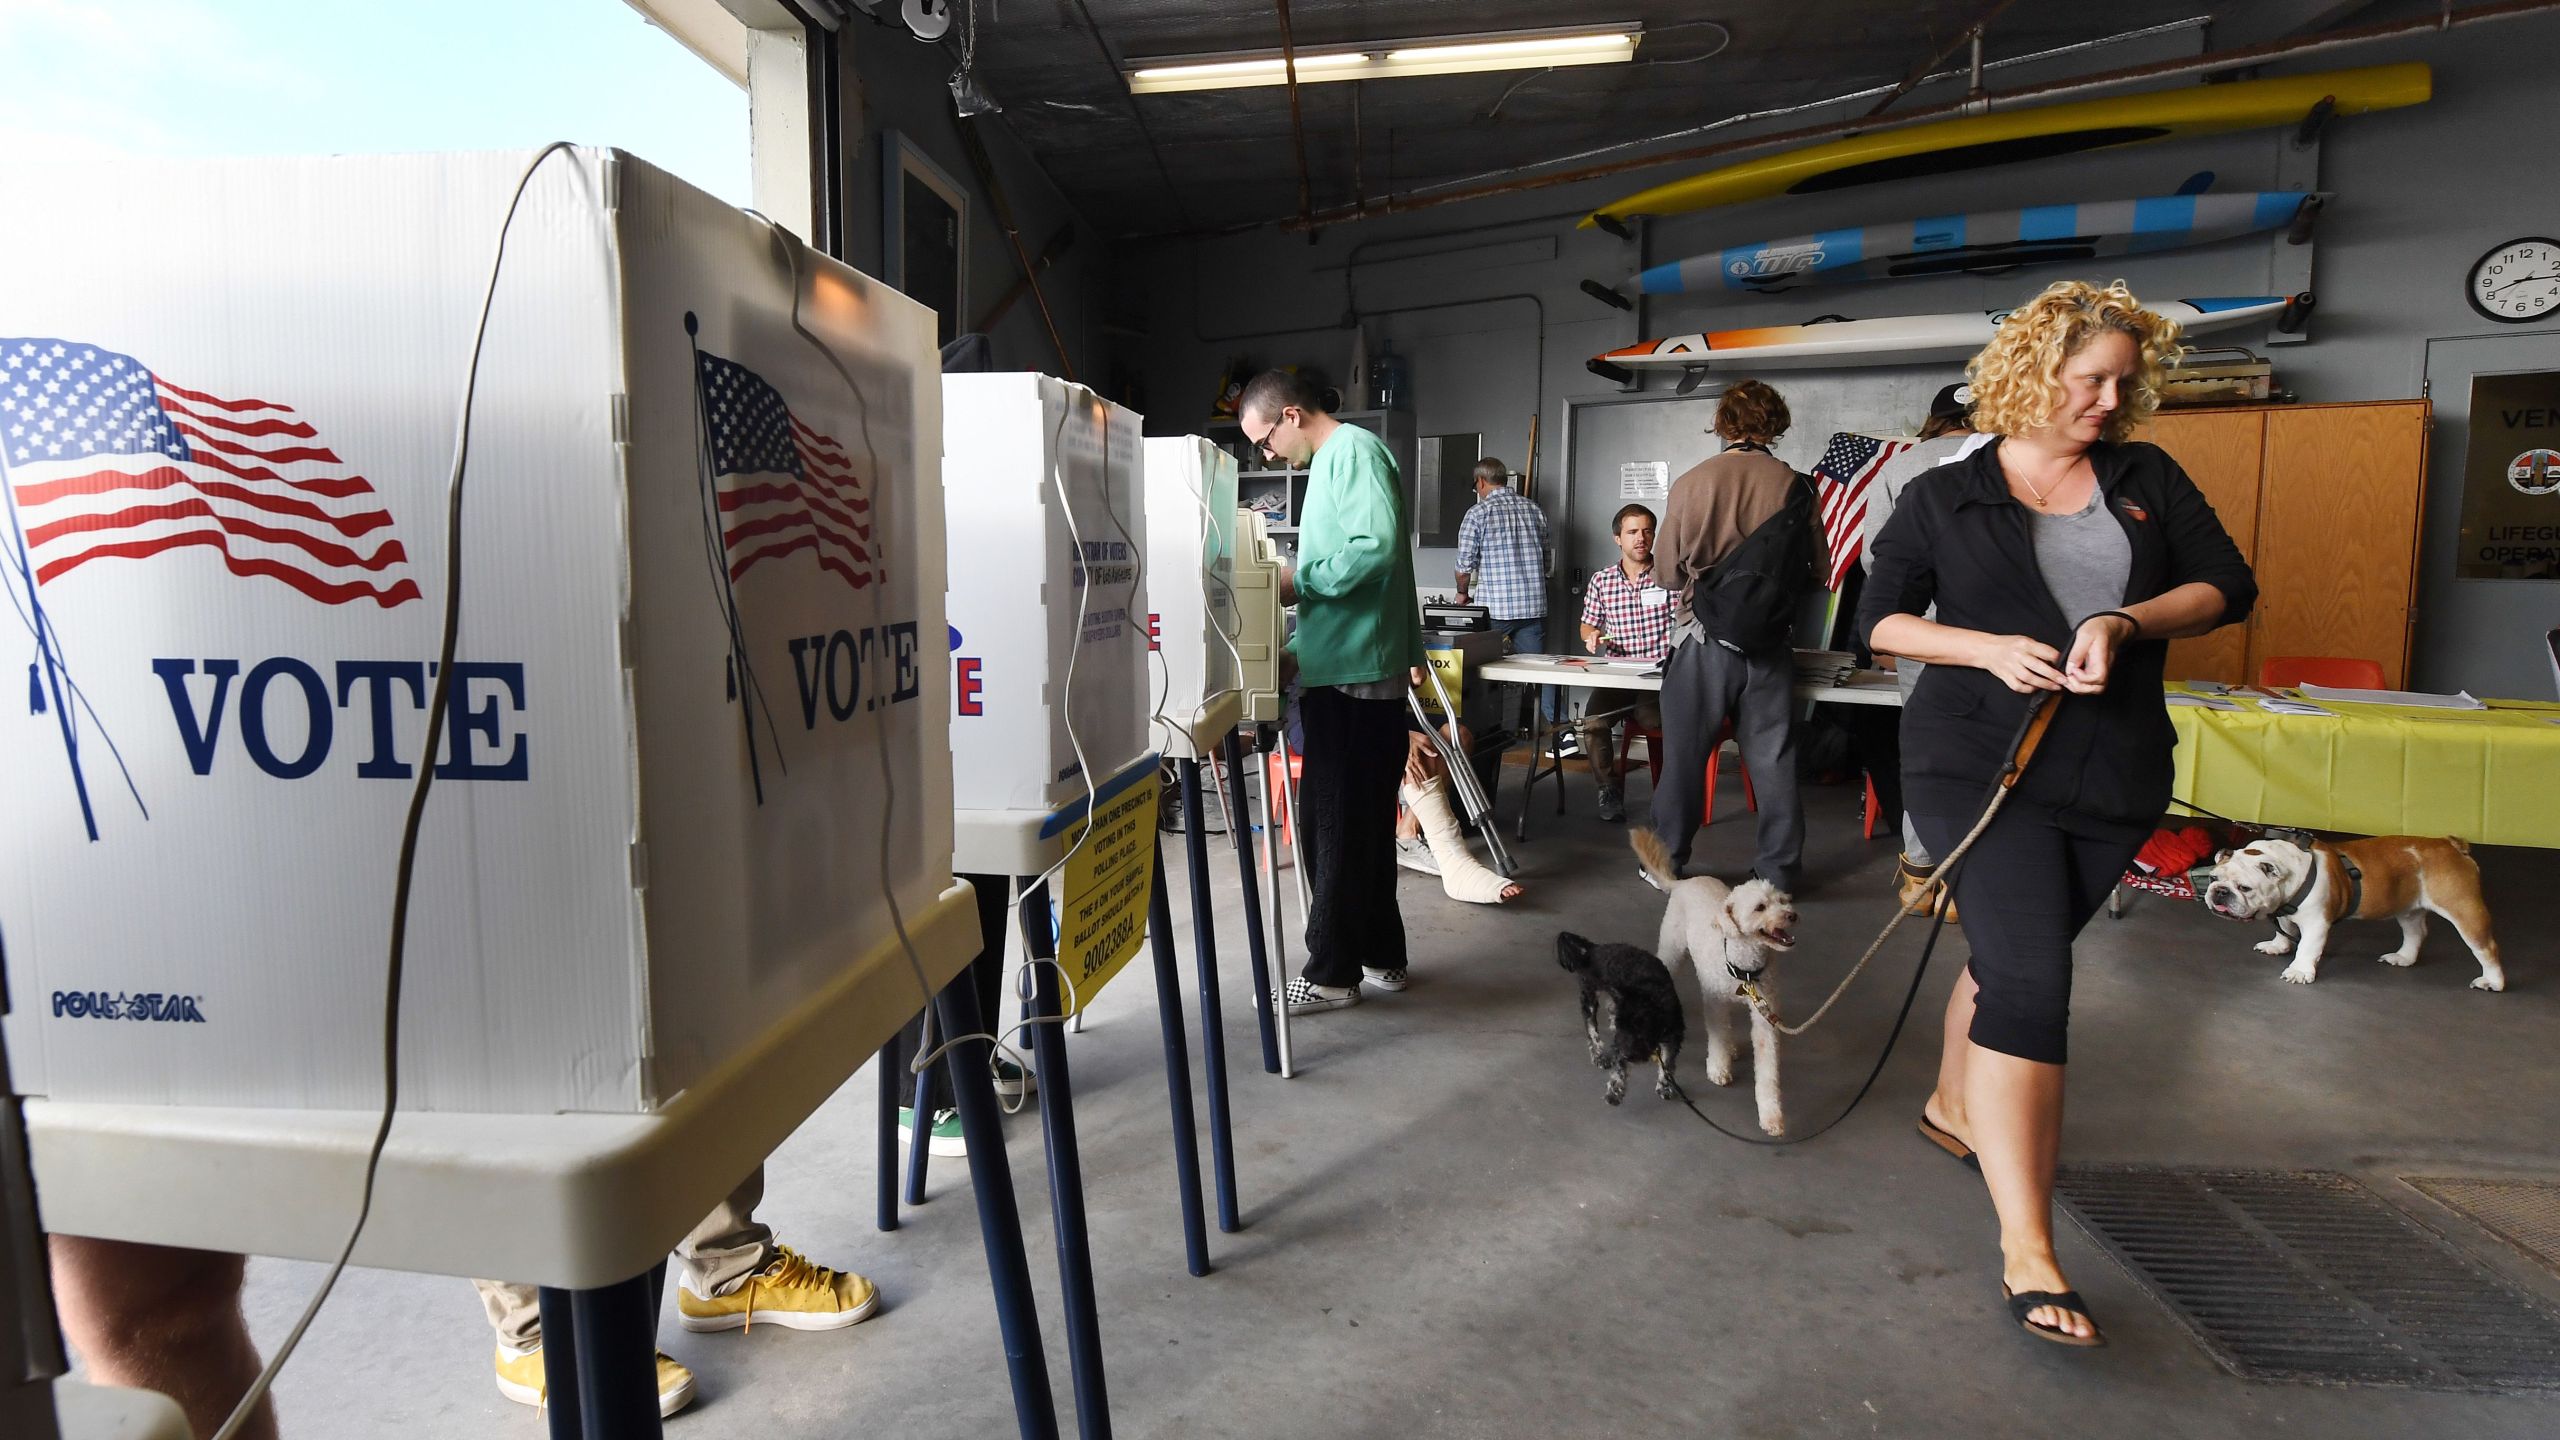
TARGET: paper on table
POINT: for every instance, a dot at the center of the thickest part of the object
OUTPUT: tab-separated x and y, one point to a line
2459	700
2204	702
2278	706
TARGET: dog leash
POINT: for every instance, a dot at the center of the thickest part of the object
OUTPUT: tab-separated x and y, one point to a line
2022	748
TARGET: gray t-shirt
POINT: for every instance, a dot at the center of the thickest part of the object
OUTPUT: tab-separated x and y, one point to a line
2085	558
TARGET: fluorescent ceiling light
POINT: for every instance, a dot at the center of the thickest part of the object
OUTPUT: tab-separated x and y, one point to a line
1435	55
1239	72
1542	51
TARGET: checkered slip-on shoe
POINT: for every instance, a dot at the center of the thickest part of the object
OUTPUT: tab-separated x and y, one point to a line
1390	979
1305	997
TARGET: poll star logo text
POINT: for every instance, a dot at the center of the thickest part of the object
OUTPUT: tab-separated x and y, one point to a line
145	1005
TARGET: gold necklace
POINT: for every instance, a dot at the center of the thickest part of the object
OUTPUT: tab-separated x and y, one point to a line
2055	484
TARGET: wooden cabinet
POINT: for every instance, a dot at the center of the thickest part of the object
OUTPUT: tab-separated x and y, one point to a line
2326	501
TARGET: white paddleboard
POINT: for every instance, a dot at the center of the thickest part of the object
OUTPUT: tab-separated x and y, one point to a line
1898	339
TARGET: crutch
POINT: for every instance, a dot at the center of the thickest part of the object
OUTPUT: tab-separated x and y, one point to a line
1462	772
1279	917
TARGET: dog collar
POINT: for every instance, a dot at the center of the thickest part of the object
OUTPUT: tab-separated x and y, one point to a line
1744	976
2355	888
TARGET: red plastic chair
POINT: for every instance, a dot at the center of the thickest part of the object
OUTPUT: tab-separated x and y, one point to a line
1278	791
2283	672
1715	763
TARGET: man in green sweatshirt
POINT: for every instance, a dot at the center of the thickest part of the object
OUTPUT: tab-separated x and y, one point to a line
1359	636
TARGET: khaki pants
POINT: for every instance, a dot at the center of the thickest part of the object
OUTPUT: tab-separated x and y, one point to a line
1597	735
727	1247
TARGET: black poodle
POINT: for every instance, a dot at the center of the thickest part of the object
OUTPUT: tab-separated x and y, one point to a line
1645	1022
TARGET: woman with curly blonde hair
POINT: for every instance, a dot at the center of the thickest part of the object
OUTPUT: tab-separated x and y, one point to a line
2062	559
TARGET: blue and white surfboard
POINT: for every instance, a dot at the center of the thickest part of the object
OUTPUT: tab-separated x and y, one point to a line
1956	244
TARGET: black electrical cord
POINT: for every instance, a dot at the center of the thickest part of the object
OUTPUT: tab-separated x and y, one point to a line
395	964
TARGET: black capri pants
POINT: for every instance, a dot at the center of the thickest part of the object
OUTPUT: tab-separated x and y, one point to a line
2025	890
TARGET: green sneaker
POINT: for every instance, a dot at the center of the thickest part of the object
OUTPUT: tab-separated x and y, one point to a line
944	1139
1012	1081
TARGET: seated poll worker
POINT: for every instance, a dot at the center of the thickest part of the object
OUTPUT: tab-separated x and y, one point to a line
1712	509
1428	836
2061	560
1358	638
1626	615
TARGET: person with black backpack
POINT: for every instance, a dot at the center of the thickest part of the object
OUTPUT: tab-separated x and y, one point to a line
1740	547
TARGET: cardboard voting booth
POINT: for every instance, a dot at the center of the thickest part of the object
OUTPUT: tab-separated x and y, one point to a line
1262	626
1046	530
1191	532
702	579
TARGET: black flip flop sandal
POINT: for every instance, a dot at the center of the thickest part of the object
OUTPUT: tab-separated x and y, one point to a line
2024	1301
1949	1143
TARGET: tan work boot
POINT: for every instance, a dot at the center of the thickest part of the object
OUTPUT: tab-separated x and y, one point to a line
1912	884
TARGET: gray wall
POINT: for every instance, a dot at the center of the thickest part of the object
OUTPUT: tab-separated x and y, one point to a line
2419	194
890	82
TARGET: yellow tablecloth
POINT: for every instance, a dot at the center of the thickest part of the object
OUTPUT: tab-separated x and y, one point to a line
2489	776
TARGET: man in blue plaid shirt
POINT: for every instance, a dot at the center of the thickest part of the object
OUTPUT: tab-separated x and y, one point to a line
1502	560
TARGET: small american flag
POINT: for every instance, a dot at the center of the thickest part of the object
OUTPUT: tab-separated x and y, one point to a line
784	487
1848	466
107	460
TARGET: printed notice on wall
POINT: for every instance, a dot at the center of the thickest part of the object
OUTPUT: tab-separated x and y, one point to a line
2511	479
1644	480
1102	910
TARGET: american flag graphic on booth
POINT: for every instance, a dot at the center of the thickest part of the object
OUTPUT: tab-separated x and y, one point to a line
106	460
1843	476
784	487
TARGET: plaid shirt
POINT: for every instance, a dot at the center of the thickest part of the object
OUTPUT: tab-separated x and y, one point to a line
1502	550
1615	606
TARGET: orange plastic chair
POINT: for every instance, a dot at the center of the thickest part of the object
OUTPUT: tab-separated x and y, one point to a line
1715	763
2282	672
1279	792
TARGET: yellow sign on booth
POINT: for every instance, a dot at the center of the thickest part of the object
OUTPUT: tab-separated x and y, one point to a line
1451	663
1102	906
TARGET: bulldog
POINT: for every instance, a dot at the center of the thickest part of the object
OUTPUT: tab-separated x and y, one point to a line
2306	891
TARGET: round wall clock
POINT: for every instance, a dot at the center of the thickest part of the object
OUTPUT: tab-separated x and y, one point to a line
2517	283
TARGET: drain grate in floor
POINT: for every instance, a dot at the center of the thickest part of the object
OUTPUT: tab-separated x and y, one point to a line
2524	1213
2308	1276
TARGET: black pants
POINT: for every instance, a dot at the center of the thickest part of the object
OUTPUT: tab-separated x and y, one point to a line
1355	751
985	974
2025	890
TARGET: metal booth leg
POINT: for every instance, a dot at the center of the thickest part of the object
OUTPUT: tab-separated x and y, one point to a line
599	1359
999	1223
1177	1071
1213	1024
1066	1172
920	1133
1241	822
891	1064
560	1410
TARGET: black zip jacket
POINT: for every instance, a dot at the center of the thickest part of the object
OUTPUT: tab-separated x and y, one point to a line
1957	540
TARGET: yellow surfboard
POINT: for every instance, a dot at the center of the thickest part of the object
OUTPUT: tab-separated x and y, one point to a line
1944	146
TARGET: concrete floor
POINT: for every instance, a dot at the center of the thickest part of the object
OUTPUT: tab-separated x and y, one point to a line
1449	1234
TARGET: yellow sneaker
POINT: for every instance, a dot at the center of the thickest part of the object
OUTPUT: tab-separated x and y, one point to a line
520	1379
790	1292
